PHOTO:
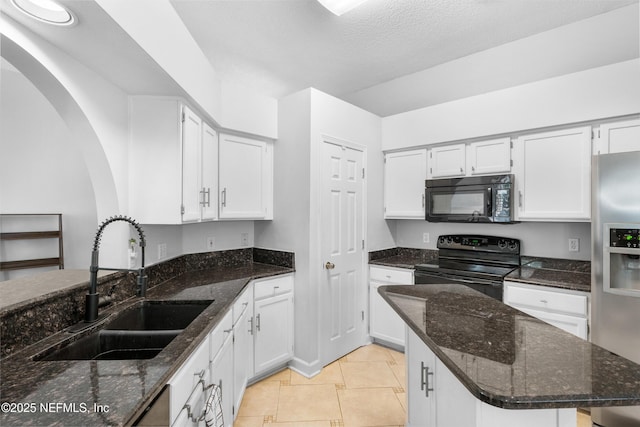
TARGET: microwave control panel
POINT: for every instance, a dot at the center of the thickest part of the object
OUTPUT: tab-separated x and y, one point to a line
624	238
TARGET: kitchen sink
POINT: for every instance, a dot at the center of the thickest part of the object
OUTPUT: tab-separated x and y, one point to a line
158	315
139	332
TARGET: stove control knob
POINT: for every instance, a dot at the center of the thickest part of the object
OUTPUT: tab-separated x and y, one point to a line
513	245
449	240
441	240
502	244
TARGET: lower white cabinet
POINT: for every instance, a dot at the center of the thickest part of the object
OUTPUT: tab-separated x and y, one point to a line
222	375
436	398
273	323
254	336
384	323
563	308
243	349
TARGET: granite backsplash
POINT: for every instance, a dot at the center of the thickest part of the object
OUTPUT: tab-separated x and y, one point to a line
24	324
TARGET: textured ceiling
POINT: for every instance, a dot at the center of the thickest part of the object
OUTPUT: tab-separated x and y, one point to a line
281	46
387	56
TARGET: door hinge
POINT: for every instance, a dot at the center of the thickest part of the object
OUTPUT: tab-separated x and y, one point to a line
511	161
183	116
511	142
181	209
362	243
431	154
362	173
430	170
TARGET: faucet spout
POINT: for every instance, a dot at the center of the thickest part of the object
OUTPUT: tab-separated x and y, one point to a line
92	297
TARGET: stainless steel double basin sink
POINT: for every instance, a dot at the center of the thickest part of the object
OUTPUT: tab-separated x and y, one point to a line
138	332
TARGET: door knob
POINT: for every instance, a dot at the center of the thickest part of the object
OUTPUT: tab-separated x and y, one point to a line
329	265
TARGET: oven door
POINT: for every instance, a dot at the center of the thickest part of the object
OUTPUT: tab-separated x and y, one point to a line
466	203
492	288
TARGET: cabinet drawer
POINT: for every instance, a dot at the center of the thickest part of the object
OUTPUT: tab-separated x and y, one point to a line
242	303
399	276
272	287
183	383
220	333
549	300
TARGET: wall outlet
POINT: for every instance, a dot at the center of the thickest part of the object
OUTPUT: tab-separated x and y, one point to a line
425	237
574	245
162	251
244	239
211	243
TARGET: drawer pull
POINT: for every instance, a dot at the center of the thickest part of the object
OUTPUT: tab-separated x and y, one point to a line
544	301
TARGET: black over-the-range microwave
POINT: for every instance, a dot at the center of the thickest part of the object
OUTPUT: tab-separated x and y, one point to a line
470	199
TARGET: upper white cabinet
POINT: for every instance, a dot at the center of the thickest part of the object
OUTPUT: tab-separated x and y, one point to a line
474	158
404	176
619	137
553	175
447	160
490	156
246	178
173	163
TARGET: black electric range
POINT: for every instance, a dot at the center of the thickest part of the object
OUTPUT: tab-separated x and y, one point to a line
480	262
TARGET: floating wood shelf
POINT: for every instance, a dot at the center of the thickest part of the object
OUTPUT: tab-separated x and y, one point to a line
33	235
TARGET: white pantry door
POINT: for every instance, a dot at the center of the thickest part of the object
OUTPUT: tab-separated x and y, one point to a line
342	286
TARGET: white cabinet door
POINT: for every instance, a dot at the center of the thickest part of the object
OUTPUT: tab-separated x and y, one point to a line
447	160
620	137
404	176
168	165
491	156
565	309
553	175
243	351
209	157
222	375
191	165
421	365
273	331
384	323
245	166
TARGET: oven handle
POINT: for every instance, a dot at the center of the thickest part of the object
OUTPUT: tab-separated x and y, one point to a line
477	281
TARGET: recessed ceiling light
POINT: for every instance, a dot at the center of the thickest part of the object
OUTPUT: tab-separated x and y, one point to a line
338	7
46	11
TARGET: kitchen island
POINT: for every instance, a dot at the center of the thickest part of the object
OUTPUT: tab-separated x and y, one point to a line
474	361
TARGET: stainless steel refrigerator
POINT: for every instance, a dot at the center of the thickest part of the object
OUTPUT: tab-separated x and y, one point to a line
615	235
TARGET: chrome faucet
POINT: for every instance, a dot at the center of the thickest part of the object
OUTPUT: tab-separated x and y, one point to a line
92	298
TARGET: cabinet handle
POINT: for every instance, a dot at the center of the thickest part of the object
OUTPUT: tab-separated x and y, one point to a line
251	323
208	197
224	198
258	323
461	170
544	301
473	168
424	379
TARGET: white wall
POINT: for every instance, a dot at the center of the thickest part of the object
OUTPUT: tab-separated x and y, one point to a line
598	93
542	239
42	171
304	117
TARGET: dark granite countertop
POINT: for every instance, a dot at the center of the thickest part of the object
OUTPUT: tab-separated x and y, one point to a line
509	359
552	272
557	273
402	257
125	387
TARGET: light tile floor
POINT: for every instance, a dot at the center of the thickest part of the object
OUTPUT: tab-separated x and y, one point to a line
364	388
